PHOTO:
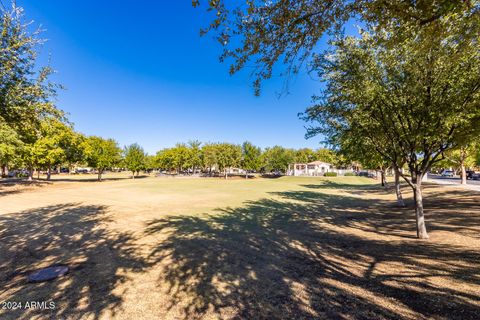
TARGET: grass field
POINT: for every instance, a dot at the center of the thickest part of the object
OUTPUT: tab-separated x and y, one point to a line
186	248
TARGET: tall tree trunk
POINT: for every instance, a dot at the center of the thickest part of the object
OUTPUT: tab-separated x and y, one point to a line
49	172
398	191
4	169
383	176
30	174
226	173
133	174
419	216
246	174
99	175
463	171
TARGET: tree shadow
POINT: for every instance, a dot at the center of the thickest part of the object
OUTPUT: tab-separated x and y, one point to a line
13	186
383	216
271	176
367	188
69	234
94	178
332	184
300	257
455	210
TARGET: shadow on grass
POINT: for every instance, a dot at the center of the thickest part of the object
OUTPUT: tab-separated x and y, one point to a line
271	176
441	206
17	185
332	184
297	259
93	178
298	254
13	186
69	234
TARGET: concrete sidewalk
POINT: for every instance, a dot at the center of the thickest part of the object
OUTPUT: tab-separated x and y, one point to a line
454	183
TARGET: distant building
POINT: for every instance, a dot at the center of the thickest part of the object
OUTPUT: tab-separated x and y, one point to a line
233	170
313	169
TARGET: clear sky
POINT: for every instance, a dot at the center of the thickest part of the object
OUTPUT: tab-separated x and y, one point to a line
138	71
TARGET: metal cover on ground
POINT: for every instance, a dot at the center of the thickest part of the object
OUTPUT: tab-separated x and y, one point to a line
46	274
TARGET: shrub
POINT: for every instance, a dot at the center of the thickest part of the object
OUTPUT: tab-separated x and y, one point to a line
350	174
330	174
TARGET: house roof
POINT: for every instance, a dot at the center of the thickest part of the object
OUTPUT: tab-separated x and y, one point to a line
319	163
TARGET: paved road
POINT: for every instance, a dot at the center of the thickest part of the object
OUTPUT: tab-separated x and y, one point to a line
471	184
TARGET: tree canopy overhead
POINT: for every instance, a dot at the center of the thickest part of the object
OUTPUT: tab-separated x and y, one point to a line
261	33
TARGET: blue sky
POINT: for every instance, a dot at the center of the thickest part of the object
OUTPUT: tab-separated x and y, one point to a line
138	71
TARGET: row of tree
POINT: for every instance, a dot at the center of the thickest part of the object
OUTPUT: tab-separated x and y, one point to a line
221	156
404	93
58	145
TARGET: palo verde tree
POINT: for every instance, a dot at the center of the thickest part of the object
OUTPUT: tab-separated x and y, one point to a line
251	158
101	154
134	158
412	101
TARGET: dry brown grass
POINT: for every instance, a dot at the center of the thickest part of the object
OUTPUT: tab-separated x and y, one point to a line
266	248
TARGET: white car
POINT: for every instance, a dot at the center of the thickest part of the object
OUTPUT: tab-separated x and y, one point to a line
448	173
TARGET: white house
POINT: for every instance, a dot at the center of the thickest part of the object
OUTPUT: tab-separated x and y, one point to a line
315	168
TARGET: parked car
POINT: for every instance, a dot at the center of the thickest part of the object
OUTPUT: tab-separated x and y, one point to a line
475	176
448	173
470	174
18	173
